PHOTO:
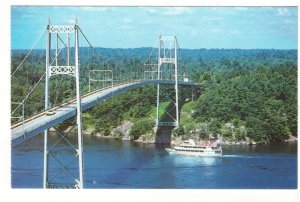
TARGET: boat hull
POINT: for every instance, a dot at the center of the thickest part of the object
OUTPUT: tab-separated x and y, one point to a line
184	153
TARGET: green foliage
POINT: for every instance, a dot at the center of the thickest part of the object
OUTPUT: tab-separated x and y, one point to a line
182	132
263	100
118	134
88	120
179	131
139	110
162	108
186	118
130	105
141	127
135	106
255	90
271	122
188	107
203	131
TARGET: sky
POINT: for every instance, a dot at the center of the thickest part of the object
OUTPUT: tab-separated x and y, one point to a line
133	27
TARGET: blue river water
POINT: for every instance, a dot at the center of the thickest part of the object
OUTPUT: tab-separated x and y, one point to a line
112	163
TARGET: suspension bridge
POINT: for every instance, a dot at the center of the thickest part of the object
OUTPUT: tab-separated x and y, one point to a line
63	59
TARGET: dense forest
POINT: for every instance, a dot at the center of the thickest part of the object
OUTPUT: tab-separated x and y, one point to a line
244	93
260	103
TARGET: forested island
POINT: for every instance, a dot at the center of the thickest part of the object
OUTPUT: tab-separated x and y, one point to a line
246	95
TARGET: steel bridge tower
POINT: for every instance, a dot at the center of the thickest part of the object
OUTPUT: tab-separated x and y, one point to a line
50	155
167	56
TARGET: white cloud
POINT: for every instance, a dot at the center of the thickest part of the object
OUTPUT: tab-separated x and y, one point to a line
69	20
176	11
127	27
289	22
266	8
215	30
226	31
24	16
127	20
146	21
283	12
194	32
94	8
148	10
241	8
235	32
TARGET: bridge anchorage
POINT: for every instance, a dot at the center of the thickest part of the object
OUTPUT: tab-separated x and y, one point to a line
71	68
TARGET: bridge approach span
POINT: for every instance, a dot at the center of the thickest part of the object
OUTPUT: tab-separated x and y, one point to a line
39	123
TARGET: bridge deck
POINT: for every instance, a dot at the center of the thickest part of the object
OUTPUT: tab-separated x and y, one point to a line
43	122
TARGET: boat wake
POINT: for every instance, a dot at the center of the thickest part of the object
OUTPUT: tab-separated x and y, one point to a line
250	156
233	156
247	156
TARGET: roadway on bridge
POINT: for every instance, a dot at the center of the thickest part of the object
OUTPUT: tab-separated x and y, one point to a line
35	126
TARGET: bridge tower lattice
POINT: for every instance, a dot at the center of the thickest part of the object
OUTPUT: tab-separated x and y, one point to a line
167	56
71	68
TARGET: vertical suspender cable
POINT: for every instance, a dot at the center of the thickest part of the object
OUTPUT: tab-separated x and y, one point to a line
48	48
79	121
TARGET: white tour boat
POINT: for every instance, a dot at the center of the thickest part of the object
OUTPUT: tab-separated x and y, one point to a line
190	148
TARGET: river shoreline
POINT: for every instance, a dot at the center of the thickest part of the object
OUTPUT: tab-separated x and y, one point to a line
177	141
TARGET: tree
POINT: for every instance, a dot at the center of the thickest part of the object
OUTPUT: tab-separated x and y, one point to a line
139	128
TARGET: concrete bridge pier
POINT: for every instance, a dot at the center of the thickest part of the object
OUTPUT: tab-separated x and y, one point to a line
163	135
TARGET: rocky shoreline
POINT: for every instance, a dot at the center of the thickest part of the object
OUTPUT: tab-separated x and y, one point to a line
176	141
122	133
